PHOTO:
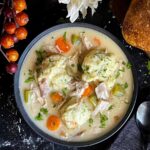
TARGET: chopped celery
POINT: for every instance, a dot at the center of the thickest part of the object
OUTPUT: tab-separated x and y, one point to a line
27	94
74	38
93	100
118	90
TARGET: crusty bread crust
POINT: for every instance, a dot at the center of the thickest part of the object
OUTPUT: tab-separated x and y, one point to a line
136	25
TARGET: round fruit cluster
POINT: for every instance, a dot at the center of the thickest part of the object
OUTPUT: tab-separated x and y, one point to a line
13	30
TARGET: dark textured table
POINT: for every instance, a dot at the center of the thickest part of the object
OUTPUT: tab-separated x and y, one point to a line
15	134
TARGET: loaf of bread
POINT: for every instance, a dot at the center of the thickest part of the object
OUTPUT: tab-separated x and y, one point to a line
136	25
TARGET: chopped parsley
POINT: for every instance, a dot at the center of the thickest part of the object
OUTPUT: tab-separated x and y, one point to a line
39	117
44	111
85	68
31	77
148	66
110	107
40	56
64	91
128	64
103	120
90	122
122	69
125	85
117	74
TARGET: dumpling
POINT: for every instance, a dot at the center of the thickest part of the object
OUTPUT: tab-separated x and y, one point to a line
98	65
74	114
53	71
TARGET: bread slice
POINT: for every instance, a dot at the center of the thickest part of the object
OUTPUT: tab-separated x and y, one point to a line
136	25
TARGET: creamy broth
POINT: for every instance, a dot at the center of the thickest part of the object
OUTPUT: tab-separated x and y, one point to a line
117	105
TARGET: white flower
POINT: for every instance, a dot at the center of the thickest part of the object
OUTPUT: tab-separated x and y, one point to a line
76	6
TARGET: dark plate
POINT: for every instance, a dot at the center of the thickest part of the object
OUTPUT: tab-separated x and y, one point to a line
47	136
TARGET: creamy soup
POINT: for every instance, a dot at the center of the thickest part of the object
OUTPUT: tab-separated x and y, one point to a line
76	84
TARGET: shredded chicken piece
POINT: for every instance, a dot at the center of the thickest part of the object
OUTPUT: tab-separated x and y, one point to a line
102	91
44	87
86	42
50	48
79	88
102	105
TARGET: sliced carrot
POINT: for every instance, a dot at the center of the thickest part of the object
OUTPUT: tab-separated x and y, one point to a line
53	123
97	42
62	45
88	91
56	97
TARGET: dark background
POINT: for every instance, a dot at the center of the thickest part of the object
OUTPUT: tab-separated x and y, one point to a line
14	132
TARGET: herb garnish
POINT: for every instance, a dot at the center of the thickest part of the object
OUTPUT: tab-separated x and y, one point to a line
90	122
122	69
128	64
39	117
64	91
125	85
103	120
44	111
110	107
40	56
31	77
85	68
117	74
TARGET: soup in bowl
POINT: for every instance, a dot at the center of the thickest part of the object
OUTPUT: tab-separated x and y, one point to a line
75	84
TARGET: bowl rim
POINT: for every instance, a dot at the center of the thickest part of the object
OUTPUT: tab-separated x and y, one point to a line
71	143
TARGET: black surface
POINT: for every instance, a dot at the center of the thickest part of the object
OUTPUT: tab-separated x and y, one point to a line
14	132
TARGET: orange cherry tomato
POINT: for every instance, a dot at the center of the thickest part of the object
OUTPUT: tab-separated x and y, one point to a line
7	41
19	5
12	55
53	122
62	45
10	27
21	33
22	18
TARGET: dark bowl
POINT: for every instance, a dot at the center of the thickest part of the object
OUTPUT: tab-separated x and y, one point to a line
47	136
